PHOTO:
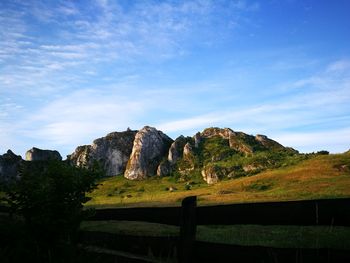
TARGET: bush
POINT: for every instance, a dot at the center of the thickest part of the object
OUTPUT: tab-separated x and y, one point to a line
48	201
323	152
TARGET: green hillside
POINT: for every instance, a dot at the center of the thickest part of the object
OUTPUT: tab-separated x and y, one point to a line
316	176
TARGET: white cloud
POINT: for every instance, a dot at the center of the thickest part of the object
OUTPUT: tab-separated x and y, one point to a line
323	105
339	66
336	140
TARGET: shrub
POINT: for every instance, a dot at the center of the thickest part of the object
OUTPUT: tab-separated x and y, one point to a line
49	198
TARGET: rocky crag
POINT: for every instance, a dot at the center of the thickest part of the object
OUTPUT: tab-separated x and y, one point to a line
10	163
149	148
111	152
36	154
213	154
9	166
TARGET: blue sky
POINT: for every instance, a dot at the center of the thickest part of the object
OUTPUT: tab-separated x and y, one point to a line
73	71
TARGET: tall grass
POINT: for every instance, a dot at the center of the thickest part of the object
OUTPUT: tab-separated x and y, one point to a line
321	176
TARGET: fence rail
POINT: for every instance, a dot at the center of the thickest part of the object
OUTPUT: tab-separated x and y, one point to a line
332	212
310	212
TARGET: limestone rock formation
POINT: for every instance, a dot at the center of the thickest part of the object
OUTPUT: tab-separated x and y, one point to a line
9	165
176	149
36	154
187	150
268	143
164	168
81	156
149	148
216	152
211	132
176	152
197	139
212	174
112	152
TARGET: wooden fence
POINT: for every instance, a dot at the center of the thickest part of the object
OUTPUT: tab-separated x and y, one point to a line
329	212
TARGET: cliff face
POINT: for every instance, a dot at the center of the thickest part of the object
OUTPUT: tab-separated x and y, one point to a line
36	154
214	153
112	152
149	148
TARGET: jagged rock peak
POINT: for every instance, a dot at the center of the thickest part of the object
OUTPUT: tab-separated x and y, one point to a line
36	154
149	148
111	152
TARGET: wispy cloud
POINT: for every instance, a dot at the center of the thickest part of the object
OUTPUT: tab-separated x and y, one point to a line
312	110
74	71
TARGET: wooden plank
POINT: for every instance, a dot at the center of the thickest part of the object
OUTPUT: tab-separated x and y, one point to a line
188	229
214	252
162	215
311	212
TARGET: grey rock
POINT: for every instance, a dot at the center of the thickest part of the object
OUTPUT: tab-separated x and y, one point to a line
112	152
211	174
267	142
197	139
149	148
176	152
187	150
9	166
81	156
211	132
164	168
176	149
36	154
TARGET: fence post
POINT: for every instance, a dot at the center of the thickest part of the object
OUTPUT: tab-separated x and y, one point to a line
188	229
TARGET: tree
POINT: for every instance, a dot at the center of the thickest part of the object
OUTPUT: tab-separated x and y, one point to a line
48	198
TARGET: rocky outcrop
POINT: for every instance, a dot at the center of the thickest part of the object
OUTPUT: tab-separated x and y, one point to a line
81	156
187	150
216	152
176	149
197	139
212	174
164	168
36	154
176	152
9	166
149	148
268	143
214	131
111	152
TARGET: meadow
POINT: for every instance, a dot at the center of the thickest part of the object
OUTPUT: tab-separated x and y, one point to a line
316	177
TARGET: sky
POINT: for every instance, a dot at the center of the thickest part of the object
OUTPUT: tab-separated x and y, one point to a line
73	71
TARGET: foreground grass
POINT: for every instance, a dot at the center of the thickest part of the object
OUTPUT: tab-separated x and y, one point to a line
245	235
326	176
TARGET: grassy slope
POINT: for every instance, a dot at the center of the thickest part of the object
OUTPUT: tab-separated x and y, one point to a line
246	235
318	177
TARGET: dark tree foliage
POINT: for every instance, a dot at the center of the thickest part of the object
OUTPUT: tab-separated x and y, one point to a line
47	202
323	152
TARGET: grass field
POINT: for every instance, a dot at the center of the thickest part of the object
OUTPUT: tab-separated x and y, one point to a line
320	176
245	235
